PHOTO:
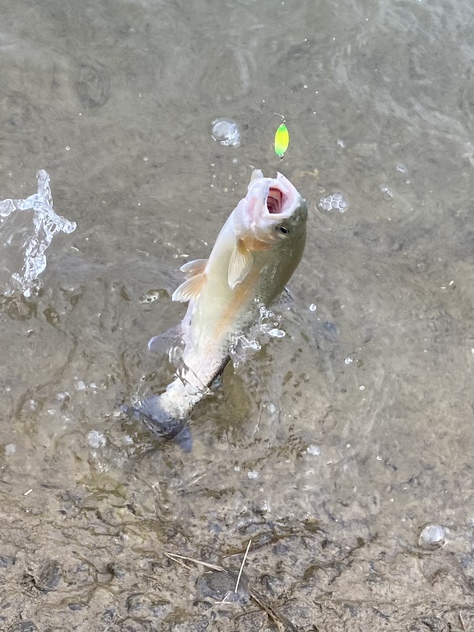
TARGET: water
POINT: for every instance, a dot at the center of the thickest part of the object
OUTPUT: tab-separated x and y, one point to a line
334	470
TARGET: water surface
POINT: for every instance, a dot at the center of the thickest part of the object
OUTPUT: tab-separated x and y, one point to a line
333	447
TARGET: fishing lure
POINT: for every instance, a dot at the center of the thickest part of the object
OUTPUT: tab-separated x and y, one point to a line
282	139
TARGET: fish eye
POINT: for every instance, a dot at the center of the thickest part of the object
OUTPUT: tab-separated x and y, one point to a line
283	230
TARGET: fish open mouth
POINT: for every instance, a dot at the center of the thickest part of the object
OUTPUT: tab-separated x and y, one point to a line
274	201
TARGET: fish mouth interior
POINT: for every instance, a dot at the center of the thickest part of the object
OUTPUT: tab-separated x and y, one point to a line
275	201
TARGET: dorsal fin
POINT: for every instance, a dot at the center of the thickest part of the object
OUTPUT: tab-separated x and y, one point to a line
240	264
189	289
192	268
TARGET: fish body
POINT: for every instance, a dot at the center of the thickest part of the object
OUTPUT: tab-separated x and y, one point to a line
254	256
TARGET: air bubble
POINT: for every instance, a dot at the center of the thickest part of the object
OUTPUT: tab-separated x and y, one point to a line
150	297
226	132
433	536
276	333
96	439
333	202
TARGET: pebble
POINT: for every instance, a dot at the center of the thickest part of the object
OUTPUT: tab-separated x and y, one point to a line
220	585
26	626
48	576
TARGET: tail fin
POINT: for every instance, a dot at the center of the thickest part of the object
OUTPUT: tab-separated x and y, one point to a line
161	423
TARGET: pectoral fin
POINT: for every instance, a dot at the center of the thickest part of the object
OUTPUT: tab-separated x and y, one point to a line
189	289
256	173
164	341
240	264
193	268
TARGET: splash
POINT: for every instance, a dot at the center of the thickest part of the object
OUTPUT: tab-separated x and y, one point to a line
243	346
36	238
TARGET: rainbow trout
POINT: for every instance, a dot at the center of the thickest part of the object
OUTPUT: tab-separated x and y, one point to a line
254	256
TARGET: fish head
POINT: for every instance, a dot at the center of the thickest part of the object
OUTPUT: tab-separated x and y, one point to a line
271	213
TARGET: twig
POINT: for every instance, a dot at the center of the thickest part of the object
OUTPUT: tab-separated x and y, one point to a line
191	559
242	566
271	611
175	559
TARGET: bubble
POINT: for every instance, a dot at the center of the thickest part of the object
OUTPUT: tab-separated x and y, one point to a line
276	333
96	439
226	132
252	474
314	450
433	536
312	307
150	297
333	202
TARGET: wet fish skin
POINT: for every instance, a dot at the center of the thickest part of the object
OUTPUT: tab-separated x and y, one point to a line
162	424
254	256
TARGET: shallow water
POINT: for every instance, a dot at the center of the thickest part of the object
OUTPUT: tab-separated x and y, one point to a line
332	448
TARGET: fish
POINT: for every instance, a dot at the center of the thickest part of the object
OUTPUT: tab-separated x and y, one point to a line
252	260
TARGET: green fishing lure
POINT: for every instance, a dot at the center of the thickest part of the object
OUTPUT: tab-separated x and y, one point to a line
282	140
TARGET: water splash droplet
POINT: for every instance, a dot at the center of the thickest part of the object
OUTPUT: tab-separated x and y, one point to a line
387	192
35	239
